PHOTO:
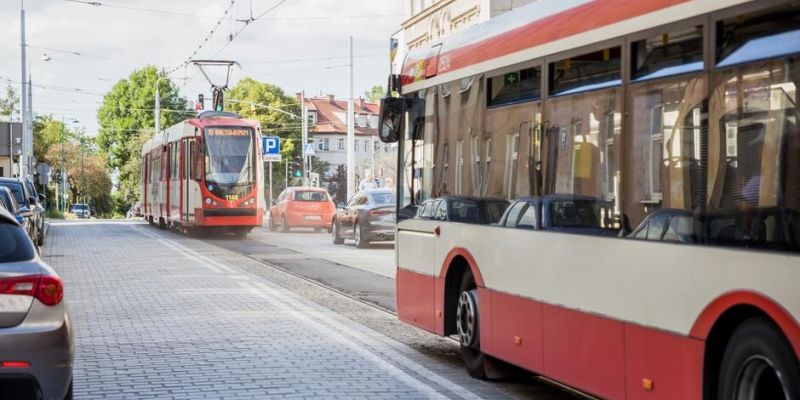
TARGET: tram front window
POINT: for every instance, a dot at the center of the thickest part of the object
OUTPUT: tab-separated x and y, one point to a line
229	161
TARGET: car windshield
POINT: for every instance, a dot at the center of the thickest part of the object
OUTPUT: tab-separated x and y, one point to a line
16	188
79	207
382	198
310	195
575	214
493	211
229	156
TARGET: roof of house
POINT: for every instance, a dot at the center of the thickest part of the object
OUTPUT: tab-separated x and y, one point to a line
331	114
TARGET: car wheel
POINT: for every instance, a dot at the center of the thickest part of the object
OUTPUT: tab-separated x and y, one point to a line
361	241
284	224
335	233
758	363
468	328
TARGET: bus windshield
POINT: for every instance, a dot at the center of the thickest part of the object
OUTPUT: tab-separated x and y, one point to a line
229	156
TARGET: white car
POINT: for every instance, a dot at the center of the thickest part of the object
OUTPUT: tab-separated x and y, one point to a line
81	211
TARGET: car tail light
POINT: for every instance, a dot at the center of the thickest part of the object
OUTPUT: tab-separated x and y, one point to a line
51	290
15	364
19	285
47	288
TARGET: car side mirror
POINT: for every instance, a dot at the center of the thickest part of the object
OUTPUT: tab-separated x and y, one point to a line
42	199
32	200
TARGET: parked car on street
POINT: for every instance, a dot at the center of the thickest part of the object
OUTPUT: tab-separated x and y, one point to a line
769	228
471	210
81	210
9	202
28	205
368	217
36	338
297	207
561	213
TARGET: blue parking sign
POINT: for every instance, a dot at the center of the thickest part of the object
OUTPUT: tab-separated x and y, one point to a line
271	148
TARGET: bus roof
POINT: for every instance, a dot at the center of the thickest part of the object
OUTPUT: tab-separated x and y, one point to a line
539	29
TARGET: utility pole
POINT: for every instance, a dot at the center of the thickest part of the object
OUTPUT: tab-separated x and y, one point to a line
81	194
158	106
23	158
63	175
351	161
304	116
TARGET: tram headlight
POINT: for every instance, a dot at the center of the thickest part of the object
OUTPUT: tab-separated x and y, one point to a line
208	201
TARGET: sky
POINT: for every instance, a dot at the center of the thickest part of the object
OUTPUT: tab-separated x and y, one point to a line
299	45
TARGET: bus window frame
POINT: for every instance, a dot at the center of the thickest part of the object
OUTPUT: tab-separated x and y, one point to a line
708	47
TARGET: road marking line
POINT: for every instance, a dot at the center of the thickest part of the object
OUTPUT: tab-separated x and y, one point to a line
399	374
347	331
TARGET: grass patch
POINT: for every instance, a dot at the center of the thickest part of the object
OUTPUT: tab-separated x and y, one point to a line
53	213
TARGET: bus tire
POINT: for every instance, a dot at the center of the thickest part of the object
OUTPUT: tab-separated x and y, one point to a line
758	363
335	234
468	328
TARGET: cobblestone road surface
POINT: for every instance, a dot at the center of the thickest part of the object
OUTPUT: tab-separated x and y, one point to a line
159	315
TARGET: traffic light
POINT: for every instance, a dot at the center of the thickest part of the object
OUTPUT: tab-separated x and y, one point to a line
201	102
298	173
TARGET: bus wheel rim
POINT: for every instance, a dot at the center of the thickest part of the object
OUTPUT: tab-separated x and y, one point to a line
466	319
757	372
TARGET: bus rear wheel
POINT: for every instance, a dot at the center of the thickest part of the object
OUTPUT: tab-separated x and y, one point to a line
467	327
758	363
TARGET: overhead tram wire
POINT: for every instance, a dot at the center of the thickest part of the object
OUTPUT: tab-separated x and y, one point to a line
247	23
139	9
204	41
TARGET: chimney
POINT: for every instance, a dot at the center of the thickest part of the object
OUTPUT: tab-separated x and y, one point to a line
330	98
362	103
298	96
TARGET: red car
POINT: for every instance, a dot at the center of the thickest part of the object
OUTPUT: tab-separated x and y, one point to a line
302	207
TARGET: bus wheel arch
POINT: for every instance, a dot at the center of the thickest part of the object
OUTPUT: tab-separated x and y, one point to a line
722	319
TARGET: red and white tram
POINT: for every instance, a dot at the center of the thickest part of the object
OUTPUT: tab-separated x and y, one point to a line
204	173
677	116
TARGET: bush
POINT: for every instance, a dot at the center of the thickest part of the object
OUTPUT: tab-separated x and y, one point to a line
53	213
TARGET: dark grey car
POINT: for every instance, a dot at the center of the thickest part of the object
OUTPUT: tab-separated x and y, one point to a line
567	213
368	217
27	202
36	338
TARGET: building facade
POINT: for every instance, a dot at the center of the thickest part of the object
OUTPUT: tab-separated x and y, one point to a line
328	133
430	20
10	146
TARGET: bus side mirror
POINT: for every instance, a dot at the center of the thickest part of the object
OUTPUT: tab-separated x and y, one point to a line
390	119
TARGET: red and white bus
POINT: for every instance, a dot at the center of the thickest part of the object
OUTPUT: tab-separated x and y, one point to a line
675	115
205	173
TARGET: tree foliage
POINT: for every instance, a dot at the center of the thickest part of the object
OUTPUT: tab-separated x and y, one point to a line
9	104
86	172
128	109
129	191
47	131
375	94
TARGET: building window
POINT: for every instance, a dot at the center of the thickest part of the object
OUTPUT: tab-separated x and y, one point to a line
487	163
312	117
512	163
459	165
476	171
323	144
361	120
355	144
366	146
340	144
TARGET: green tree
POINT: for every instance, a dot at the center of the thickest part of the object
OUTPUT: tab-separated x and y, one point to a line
8	104
128	109
375	94
86	172
47	132
128	191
